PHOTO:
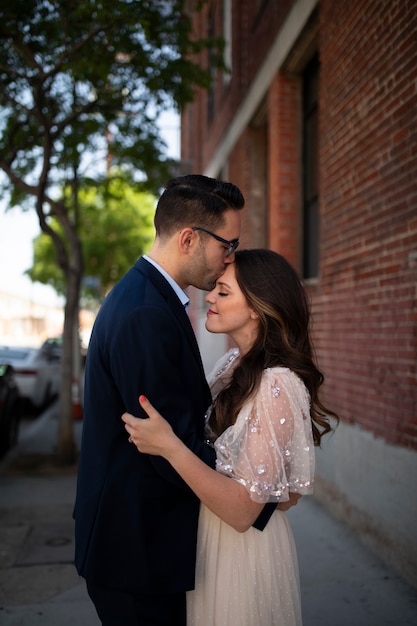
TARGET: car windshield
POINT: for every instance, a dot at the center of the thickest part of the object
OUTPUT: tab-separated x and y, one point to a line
13	353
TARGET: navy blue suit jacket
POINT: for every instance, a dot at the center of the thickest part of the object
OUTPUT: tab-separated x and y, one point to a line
135	519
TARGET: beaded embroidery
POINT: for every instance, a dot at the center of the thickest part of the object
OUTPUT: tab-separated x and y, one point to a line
233	354
269	450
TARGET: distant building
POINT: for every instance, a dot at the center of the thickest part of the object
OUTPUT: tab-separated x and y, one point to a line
28	322
317	124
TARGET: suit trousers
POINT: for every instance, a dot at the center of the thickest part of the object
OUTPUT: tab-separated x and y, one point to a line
119	608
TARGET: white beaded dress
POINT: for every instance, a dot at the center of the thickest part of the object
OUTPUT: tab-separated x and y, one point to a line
251	578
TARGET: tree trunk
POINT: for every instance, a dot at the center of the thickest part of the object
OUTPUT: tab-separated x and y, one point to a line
70	368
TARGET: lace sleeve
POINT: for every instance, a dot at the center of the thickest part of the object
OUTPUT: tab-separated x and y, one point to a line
270	448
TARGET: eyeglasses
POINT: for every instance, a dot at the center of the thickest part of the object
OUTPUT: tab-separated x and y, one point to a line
233	244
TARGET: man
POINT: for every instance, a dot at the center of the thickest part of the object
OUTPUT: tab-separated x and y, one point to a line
135	519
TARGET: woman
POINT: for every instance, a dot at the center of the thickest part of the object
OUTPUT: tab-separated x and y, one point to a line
264	421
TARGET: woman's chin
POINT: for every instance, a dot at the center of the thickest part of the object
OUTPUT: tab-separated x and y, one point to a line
210	327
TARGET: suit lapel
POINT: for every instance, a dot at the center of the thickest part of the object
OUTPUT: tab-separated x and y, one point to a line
176	306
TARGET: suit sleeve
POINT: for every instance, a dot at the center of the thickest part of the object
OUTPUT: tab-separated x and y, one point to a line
151	356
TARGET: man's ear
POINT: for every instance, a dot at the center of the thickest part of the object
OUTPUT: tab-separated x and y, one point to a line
186	240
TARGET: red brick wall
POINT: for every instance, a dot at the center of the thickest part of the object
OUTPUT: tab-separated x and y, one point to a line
365	304
254	27
365	301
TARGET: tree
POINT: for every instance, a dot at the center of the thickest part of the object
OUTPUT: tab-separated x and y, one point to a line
115	226
81	86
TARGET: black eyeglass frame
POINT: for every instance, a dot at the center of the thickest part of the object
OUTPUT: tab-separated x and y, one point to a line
233	244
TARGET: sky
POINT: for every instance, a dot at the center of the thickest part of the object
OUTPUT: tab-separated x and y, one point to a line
18	229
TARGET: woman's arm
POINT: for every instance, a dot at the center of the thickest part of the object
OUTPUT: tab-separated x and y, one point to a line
225	497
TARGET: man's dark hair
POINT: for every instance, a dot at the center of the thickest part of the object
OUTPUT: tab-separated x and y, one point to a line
195	200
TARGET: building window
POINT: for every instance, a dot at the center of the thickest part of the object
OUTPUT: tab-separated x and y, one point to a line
227	36
212	69
311	223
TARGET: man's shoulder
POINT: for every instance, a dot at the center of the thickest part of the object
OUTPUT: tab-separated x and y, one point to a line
140	288
140	275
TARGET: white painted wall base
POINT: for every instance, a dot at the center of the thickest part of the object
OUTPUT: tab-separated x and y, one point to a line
371	486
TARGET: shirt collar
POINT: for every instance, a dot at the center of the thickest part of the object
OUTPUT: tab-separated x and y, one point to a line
180	292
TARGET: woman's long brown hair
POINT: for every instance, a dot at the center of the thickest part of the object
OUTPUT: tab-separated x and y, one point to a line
274	290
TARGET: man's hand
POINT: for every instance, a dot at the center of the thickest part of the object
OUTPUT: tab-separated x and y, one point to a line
284	506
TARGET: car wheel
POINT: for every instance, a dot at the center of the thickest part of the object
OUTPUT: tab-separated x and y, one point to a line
13	431
9	432
47	396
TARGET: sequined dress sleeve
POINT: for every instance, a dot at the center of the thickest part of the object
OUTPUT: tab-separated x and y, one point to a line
270	448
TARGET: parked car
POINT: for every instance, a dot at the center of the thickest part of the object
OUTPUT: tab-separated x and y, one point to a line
53	348
10	409
37	373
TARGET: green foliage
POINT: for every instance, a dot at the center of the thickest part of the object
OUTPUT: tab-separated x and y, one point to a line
115	227
80	80
82	83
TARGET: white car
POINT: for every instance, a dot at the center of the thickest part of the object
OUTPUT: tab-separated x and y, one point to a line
37	374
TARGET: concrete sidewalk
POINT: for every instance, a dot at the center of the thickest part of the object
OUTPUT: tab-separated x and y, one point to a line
38	581
343	584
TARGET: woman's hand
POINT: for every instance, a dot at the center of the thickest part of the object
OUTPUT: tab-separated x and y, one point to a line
151	436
